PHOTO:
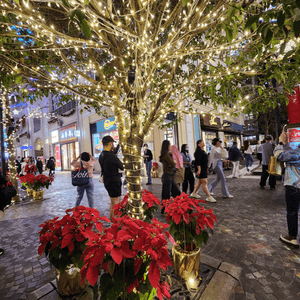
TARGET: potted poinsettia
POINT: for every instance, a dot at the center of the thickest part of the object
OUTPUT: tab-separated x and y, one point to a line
36	184
150	205
129	256
189	225
64	240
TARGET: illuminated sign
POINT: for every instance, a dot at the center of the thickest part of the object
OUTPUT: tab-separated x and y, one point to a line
67	134
54	136
106	125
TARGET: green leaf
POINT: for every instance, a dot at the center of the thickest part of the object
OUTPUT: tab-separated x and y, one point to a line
268	36
205	237
87	2
80	15
86	28
66	3
18	79
251	20
280	19
199	239
72	14
17	1
282	47
95	292
229	34
185	2
298	3
296	27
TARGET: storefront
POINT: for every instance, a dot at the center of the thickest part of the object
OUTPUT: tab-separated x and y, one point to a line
232	133
101	129
69	147
56	148
209	128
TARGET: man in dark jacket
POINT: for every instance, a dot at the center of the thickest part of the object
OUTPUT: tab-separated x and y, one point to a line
110	165
234	156
148	162
39	165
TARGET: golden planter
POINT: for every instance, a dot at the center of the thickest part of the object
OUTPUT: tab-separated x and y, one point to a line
29	192
186	263
68	283
38	195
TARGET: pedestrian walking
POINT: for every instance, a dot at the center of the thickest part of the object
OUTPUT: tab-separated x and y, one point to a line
51	165
267	151
18	164
110	165
148	162
201	163
189	179
169	186
87	162
292	187
248	155
30	167
39	165
217	155
234	156
258	151
179	173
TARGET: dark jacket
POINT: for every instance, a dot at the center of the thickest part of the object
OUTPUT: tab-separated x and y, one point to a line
39	164
168	163
149	154
234	154
110	165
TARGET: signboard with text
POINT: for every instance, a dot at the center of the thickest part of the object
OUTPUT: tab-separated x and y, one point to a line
294	137
67	134
54	136
106	125
210	121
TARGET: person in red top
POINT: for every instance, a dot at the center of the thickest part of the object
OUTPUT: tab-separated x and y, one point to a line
88	162
30	167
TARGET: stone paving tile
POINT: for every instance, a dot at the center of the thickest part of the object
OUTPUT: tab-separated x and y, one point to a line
246	235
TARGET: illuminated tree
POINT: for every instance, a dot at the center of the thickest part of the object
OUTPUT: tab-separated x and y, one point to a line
141	59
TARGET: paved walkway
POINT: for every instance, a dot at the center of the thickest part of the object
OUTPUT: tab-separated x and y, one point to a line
246	235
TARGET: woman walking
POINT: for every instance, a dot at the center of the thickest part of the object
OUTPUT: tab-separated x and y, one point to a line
201	162
248	155
169	185
87	162
188	173
217	155
179	173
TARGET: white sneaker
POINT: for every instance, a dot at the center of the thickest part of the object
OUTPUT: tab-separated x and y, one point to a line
211	193
193	195
211	199
230	196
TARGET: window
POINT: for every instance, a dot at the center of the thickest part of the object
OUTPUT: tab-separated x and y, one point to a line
36	124
61	108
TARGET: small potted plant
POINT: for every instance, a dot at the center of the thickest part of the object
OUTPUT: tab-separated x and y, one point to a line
36	184
129	256
189	223
64	241
150	205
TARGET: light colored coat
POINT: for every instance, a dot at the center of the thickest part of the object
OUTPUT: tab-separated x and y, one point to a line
266	152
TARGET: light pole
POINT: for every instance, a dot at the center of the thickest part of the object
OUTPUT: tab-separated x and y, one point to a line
3	167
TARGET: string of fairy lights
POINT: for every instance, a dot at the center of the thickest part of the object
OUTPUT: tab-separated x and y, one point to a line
157	42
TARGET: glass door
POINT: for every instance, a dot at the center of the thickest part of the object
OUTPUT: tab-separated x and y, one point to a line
64	157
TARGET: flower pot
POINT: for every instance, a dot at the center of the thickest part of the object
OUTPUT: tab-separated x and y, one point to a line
68	283
38	195
186	263
29	192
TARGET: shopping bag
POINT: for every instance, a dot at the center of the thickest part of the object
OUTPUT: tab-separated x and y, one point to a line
80	177
274	167
9	191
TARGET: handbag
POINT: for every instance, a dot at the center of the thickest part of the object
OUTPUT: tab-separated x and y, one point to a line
274	167
9	191
80	176
223	154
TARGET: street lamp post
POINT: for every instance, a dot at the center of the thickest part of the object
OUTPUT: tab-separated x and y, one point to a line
3	167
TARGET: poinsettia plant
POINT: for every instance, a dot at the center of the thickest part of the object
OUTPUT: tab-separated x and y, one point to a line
64	240
189	222
36	182
150	205
131	254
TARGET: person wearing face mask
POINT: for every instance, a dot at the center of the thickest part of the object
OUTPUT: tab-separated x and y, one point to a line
148	162
188	174
110	165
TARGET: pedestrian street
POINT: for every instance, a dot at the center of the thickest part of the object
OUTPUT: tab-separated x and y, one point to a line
246	235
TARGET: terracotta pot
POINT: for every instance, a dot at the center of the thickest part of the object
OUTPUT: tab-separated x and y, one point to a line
29	192
186	263
68	283
38	195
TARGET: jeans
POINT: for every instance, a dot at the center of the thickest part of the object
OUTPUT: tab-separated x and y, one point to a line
148	169
292	198
259	157
264	177
169	186
89	192
188	179
249	161
220	177
236	168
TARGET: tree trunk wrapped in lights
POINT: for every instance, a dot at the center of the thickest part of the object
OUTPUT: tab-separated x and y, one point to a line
144	59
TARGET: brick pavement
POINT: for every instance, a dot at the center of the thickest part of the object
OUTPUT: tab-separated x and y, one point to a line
246	235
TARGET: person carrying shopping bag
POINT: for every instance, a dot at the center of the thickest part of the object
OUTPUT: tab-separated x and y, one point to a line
217	155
